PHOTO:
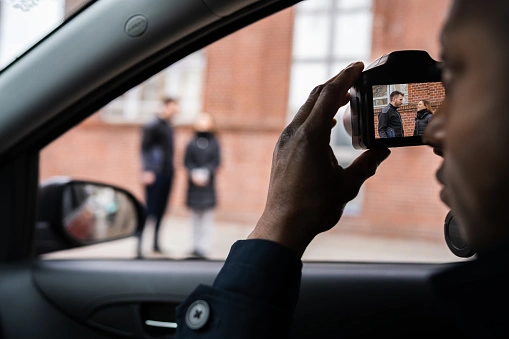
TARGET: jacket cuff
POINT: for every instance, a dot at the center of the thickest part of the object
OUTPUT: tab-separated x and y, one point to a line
262	270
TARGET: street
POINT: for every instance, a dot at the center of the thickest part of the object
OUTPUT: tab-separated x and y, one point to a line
330	246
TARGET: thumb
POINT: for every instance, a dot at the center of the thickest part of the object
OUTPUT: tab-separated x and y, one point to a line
364	167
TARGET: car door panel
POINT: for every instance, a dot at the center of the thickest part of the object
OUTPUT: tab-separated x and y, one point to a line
370	300
119	297
26	313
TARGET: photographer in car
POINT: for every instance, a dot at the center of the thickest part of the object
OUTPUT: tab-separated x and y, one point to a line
255	294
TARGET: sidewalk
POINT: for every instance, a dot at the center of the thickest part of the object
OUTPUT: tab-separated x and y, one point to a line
176	236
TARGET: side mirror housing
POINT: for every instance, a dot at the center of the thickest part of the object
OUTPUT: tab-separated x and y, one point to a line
74	213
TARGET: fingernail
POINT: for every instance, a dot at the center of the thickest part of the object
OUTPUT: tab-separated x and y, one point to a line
353	64
316	89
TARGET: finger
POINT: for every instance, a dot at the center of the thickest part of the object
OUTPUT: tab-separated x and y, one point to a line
363	168
333	95
300	117
334	123
306	109
334	78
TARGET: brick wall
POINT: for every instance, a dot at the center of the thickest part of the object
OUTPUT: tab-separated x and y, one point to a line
407	24
402	198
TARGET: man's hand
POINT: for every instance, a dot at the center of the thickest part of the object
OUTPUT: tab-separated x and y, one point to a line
308	189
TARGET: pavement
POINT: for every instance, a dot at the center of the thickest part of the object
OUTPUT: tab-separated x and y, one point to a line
176	235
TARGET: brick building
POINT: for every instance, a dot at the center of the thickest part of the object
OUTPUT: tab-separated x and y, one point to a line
252	81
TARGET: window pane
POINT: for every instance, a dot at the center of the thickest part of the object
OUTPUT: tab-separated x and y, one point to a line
348	45
183	80
379	91
403	88
311	5
380	102
353	4
339	66
384	223
400	87
311	36
304	77
341	136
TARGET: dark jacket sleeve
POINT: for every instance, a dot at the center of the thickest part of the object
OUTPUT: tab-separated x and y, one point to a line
383	121
189	159
253	296
215	159
147	143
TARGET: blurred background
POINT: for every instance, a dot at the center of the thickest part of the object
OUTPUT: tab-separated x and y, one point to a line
253	82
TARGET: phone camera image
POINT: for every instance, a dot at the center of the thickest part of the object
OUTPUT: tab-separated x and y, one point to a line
394	99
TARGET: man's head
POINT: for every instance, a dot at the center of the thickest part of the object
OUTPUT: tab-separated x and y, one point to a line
470	130
170	107
204	123
396	98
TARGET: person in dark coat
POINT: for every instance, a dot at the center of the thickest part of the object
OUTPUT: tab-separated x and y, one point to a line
202	158
157	157
424	113
390	124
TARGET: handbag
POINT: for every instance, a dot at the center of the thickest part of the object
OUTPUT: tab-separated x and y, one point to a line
200	176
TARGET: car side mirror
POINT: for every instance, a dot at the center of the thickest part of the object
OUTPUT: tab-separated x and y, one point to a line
73	213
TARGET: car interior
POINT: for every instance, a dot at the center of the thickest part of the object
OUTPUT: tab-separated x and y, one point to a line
99	52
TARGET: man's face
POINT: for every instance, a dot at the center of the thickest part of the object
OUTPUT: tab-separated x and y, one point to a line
203	123
471	132
397	100
169	110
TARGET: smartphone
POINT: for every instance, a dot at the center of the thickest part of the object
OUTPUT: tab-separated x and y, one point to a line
384	100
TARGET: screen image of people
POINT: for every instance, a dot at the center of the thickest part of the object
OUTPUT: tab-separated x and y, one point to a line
403	110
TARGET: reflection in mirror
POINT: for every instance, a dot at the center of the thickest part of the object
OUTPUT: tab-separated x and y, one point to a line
93	213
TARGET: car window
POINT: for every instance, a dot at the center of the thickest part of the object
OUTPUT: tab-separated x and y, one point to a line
24	22
253	82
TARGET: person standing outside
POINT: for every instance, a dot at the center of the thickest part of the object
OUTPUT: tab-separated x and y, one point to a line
157	150
202	158
424	113
390	124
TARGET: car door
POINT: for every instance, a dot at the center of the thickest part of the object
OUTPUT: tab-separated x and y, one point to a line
101	52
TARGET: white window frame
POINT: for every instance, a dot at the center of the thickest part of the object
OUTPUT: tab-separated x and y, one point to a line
183	81
403	88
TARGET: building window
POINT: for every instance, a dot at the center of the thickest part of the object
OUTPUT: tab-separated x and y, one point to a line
182	80
381	94
323	46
